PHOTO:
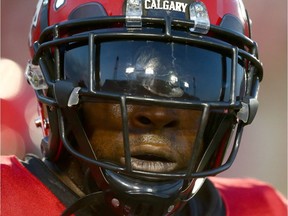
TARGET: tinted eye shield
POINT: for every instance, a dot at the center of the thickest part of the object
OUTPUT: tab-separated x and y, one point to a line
218	78
170	70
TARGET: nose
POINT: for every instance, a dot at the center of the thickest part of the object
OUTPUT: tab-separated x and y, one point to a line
154	118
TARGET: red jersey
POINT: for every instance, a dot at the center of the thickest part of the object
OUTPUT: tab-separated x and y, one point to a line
23	194
250	197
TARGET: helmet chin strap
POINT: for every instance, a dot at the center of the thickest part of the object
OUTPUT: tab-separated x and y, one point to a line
86	201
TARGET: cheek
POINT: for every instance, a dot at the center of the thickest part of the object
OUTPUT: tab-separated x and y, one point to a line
107	116
183	142
189	121
107	145
103	126
184	138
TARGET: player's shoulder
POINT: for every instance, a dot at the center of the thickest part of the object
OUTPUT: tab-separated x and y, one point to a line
250	196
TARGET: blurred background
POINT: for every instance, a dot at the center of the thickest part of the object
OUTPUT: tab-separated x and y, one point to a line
263	151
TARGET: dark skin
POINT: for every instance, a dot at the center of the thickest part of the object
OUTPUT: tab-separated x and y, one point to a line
161	139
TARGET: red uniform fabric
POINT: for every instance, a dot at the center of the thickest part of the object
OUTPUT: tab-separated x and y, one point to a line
24	194
250	197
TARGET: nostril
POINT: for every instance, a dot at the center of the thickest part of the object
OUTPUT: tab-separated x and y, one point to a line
144	120
155	118
171	124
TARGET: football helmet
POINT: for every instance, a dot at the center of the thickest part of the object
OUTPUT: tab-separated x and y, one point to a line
182	54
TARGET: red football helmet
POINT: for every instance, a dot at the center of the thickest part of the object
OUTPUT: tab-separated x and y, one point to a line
88	51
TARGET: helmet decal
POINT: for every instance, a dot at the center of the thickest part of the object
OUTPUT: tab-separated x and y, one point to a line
36	14
35	21
59	3
166	5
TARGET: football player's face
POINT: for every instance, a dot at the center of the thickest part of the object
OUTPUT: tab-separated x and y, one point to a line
161	139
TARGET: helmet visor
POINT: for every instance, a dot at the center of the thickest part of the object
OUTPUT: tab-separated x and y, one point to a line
156	69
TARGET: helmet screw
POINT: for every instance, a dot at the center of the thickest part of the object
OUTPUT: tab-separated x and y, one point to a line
115	202
38	122
170	209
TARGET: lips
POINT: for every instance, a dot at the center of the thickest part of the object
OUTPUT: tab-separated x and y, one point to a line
151	158
152	165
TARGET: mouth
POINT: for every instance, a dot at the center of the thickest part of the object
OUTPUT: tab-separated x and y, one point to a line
152	162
